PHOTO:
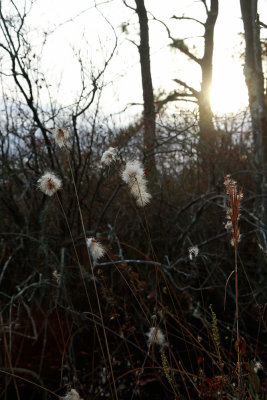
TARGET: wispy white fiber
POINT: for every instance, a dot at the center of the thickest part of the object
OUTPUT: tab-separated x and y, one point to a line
96	249
108	156
61	137
72	395
156	336
49	183
134	176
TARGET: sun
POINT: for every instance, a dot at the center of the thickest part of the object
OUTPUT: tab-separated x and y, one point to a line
228	92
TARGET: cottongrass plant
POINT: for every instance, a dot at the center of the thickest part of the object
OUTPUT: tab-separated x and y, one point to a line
134	176
193	252
156	336
95	289
49	183
72	395
109	156
96	249
233	214
258	367
61	137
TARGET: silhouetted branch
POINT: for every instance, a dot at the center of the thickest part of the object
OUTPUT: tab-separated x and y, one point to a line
189	19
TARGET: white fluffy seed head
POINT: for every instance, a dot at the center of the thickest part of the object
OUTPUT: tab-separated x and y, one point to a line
193	252
56	276
258	366
136	183
228	226
143	197
61	137
96	249
72	395
134	176
133	170
49	183
108	156
156	336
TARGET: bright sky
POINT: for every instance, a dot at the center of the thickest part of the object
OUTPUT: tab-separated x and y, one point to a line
88	33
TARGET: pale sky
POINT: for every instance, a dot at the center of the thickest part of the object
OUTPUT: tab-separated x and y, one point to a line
79	28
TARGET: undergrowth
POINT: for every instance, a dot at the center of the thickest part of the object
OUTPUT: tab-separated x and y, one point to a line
115	285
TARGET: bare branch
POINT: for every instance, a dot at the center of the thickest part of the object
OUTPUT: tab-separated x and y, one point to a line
95	79
194	92
180	45
165	26
78	15
205	5
188	18
262	24
173	97
127	5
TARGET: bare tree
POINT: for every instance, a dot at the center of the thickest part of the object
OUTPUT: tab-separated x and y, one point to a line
258	109
18	50
148	96
147	86
202	96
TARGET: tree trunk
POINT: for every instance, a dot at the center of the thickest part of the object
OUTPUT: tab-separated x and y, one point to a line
207	137
258	110
205	113
148	95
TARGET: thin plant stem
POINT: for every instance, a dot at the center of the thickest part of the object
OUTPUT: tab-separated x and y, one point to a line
237	325
13	375
82	276
123	277
233	212
94	280
9	360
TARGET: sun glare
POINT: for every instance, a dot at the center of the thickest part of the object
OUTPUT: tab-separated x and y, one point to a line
228	92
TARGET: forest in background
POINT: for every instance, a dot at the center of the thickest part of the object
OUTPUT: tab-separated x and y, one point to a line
133	256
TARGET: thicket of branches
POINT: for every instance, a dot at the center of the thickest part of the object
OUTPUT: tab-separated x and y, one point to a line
70	322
